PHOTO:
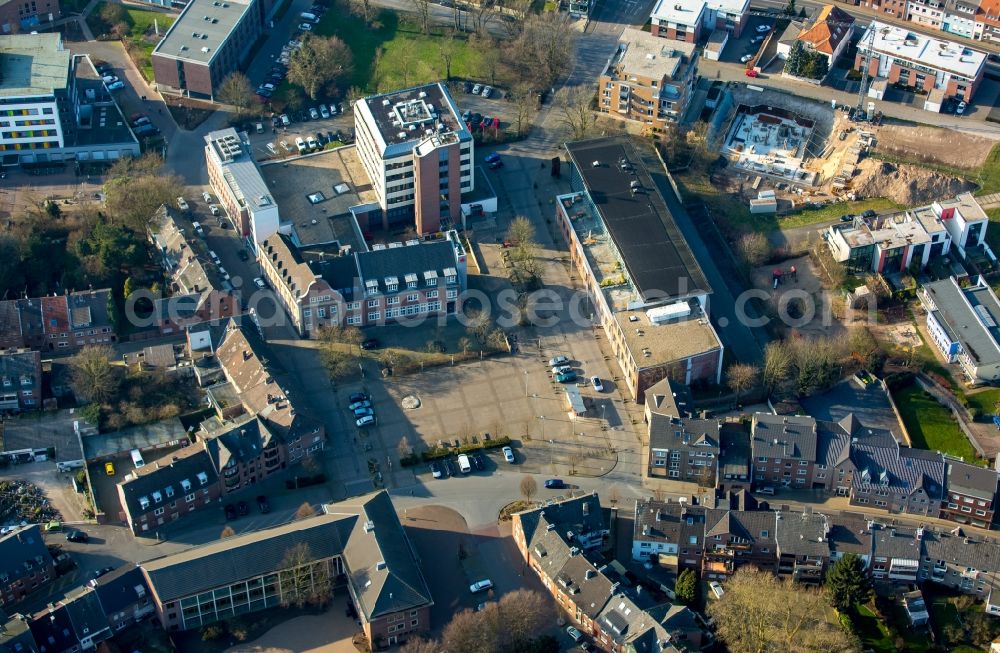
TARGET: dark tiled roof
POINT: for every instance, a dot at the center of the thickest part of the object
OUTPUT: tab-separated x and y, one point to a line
658	521
54	630
168	472
85	614
397	262
784	436
121	588
971	480
896	543
758	527
380	559
962	551
850	536
589	588
245	556
900	470
22	551
670	398
701	435
24	363
582	514
734	451
243	441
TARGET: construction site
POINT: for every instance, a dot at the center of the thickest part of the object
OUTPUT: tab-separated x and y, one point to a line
813	154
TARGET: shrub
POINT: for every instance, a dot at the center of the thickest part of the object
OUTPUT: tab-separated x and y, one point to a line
410	459
211	633
436	453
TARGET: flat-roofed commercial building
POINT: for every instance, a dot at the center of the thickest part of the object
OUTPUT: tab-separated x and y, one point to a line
644	285
963	326
943	69
418	153
686	20
648	80
210	40
237	181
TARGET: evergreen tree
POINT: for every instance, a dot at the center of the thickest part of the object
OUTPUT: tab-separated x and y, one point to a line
793	64
790	8
820	66
686	587
847	583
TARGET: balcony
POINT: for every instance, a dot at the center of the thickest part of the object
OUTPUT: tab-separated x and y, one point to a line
718	566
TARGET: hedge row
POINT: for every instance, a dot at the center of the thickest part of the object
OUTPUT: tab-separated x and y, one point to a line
436	453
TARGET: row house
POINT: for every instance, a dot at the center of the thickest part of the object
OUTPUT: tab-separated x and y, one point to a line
58	322
803	546
970	493
265	390
165	490
648	80
25	565
783	450
734	539
680	448
618	618
124	596
926	13
960	18
987	27
21	376
687	20
395	283
244	451
200	288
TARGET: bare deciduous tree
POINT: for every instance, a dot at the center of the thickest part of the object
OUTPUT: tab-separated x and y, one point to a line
777	364
575	113
420	645
321	62
304	580
754	248
237	91
544	48
305	511
135	188
792	619
93	376
740	377
423	10
447	48
529	487
525	102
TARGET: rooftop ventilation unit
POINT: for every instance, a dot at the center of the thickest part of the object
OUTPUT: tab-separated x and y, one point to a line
204	49
422	94
385	102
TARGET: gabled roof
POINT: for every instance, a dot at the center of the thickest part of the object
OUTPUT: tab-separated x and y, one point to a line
54	629
900	470
21	364
121	588
971	480
683	435
85	613
803	534
582	514
23	551
784	436
168	472
749	525
245	556
831	26
670	398
240	441
850	536
587	586
380	560
377	265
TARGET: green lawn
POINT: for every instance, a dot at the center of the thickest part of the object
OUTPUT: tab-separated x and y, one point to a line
989	175
930	424
873	632
141	32
834	211
984	400
408	57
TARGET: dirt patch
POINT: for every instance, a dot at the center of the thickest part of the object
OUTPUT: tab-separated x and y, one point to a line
906	184
934	145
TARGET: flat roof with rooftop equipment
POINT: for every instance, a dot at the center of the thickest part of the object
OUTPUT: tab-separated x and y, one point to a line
413	114
201	29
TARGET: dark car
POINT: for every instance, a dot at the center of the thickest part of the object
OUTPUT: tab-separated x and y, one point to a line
869	214
103	570
476	119
357	396
478	462
370	343
321	138
76	536
496	165
230	511
262	505
243	508
243	255
331	137
846	218
452	467
467	87
555	484
276	122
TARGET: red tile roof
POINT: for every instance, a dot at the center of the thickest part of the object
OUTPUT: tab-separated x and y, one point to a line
832	25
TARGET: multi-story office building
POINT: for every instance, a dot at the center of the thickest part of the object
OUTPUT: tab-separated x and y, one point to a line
649	80
209	41
944	69
419	155
398	282
644	285
28	15
241	189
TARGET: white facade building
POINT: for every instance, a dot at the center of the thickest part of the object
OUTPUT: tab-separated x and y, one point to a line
241	189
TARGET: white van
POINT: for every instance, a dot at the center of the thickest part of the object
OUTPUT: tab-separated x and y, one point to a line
305	15
463	463
301	144
137	459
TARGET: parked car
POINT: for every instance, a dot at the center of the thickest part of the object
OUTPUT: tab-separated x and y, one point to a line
496	165
478	462
367	420
116	86
109	79
312	143
960	109
262	505
305	27
230	511
213	209
205	195
364	403
476	89
555	484
562	369
76	536
745	58
566	377
757	39
557	361
109	468
847	217
323	111
370	343
575	634
301	145
436	469
869	214
491	157
481	585
182	204
716	588
508	454
487	91
363	412
285	120
357	396
285	146
596	382
259	283
102	571
763	29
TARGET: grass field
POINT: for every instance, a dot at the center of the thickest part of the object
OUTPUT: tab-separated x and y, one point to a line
873	632
931	425
395	54
989	175
141	24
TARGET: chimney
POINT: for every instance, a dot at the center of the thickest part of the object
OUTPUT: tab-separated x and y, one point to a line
586	508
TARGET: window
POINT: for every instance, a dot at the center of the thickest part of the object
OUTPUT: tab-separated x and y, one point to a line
452	294
412	297
158	512
307	312
375	316
189	498
763	534
392	301
353	320
432	294
353	306
372	303
321	312
692	539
